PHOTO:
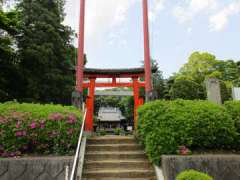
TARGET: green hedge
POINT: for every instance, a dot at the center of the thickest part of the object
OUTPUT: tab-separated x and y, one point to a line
193	175
38	129
164	126
233	107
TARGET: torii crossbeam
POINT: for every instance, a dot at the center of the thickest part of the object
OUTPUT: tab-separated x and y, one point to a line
80	73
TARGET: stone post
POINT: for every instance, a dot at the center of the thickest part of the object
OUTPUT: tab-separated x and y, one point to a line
213	90
77	99
236	93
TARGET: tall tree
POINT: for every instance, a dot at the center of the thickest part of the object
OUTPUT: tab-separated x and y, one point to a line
230	71
199	66
9	74
203	65
157	81
45	52
186	89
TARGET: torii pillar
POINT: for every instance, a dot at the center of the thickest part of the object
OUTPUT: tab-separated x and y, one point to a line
90	105
137	100
77	96
147	58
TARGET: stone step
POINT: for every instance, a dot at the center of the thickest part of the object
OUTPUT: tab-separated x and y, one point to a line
118	173
115	155
112	140
117	164
150	178
113	147
116	158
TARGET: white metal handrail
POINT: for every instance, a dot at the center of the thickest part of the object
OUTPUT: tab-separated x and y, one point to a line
75	162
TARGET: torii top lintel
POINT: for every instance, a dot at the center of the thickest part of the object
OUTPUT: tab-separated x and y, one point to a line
115	73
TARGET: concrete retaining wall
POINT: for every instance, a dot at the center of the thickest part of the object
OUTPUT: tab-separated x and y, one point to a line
39	168
221	167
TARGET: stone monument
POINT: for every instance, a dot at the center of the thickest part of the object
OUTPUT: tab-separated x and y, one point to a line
213	90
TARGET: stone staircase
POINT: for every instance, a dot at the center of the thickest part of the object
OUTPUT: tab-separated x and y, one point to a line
116	158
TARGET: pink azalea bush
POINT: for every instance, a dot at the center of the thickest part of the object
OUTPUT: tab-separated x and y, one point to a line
183	150
38	129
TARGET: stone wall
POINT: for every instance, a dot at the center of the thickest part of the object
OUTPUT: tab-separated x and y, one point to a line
39	168
221	167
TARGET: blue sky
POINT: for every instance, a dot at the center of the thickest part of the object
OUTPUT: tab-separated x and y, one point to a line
114	37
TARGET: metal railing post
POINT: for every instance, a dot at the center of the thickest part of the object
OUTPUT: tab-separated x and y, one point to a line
75	161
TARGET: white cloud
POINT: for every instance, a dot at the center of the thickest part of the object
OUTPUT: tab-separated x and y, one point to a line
191	8
189	29
106	19
101	16
200	5
157	6
7	5
219	21
72	14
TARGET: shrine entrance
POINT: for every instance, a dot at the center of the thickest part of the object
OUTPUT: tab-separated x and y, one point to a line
92	74
116	76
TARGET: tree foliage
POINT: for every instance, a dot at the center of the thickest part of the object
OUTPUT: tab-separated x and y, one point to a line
9	72
198	67
41	59
157	81
186	89
201	66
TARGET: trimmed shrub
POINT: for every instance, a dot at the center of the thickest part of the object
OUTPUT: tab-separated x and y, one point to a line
38	129
164	126
193	175
233	108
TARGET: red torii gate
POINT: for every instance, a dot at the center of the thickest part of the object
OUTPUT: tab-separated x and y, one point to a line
92	74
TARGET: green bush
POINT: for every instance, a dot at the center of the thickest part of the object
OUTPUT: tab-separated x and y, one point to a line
233	108
117	131
193	175
39	129
102	132
165	125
